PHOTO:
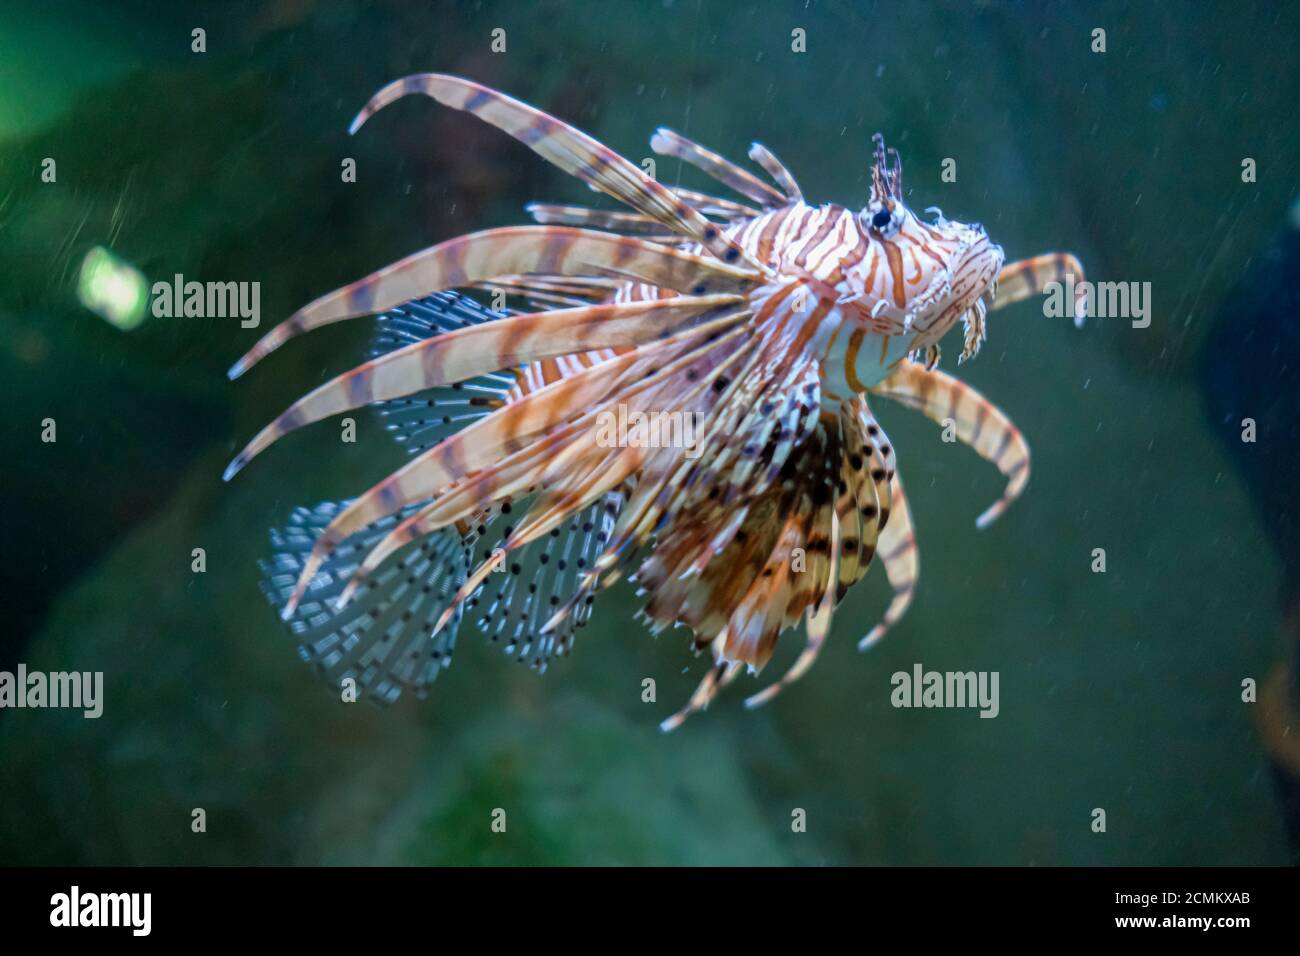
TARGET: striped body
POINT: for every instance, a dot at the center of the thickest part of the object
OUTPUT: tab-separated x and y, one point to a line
831	273
769	322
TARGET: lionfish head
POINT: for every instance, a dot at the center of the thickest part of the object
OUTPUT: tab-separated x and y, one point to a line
951	267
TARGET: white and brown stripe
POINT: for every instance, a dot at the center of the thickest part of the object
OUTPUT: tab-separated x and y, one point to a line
772	322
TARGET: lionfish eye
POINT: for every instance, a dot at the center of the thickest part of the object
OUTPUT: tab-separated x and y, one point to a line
881	218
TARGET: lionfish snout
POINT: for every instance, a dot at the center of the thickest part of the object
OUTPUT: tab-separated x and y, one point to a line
974	277
978	266
961	291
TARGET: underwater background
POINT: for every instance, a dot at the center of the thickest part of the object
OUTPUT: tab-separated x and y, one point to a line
1119	690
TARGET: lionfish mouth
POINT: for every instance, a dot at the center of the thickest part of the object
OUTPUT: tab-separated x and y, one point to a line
975	285
964	293
982	264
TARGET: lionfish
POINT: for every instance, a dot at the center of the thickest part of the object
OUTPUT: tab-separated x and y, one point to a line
771	321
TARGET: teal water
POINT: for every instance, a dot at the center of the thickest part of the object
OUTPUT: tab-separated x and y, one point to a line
1119	691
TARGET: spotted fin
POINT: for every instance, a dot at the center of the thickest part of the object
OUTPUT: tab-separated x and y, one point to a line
382	640
521	428
485	347
544	575
420	421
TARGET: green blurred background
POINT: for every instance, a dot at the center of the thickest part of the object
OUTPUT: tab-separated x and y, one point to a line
1119	690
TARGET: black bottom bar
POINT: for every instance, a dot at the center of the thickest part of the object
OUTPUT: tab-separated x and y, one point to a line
341	906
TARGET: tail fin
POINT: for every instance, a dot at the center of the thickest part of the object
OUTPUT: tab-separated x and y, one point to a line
381	640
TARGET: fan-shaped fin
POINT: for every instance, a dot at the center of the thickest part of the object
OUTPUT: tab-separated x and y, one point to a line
485	347
420	421
383	639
